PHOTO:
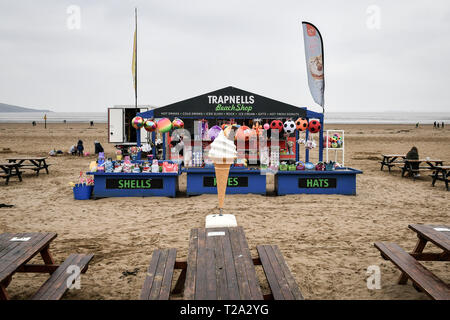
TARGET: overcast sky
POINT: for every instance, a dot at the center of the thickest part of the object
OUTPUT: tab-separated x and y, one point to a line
399	62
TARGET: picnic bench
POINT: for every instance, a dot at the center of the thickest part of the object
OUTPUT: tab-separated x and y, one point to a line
219	267
422	278
390	160
441	173
32	163
10	170
16	250
412	171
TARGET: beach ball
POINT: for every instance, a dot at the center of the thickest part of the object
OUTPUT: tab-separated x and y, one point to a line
334	145
137	122
289	126
177	123
164	125
276	124
150	125
243	133
314	126
214	132
337	136
266	126
301	124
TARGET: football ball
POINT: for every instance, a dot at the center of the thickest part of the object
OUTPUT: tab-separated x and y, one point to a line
314	126
276	124
301	124
289	126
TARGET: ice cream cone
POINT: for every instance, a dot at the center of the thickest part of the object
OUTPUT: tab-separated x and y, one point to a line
222	171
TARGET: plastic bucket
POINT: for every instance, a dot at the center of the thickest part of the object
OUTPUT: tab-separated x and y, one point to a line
82	192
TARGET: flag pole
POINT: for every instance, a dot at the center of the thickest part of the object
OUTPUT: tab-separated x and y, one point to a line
135	62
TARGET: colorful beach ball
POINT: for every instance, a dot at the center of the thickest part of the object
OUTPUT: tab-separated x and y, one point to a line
164	125
289	126
177	123
214	132
276	124
243	133
301	124
150	125
314	126
137	122
266	126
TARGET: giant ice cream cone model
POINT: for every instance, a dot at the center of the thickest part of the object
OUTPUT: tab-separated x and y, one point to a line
222	153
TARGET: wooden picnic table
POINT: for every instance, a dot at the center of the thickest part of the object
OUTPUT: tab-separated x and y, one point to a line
34	163
390	160
15	254
220	267
444	171
10	170
431	164
422	278
17	249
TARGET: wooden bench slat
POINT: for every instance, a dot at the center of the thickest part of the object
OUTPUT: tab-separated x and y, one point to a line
56	286
255	287
191	273
244	287
158	281
419	275
211	281
281	281
158	277
232	282
166	284
293	286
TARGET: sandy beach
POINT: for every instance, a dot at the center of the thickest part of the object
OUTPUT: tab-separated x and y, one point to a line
327	240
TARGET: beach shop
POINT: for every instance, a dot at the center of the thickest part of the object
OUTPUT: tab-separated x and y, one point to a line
272	137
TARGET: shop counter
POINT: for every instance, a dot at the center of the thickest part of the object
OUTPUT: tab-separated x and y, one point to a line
134	184
240	181
339	181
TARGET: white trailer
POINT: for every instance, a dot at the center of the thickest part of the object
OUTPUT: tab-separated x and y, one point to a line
120	130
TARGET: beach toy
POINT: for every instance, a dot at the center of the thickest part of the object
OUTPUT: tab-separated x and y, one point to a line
243	133
276	125
93	166
164	125
213	132
301	124
178	123
320	166
266	126
300	165
149	125
334	145
224	126
314	126
309	166
137	122
283	167
289	126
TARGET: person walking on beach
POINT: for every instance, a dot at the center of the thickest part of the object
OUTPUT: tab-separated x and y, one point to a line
442	124
80	147
438	125
434	125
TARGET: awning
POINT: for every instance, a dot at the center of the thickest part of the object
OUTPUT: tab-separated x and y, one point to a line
229	102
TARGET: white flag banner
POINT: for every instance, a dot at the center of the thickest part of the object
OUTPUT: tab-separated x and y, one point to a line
314	62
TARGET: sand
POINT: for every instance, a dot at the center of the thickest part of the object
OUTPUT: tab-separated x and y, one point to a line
327	240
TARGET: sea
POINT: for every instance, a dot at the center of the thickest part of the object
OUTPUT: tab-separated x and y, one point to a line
330	117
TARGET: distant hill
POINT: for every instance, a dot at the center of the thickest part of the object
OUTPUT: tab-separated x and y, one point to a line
10	108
